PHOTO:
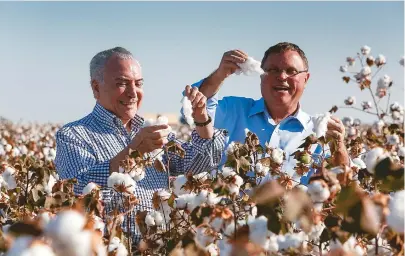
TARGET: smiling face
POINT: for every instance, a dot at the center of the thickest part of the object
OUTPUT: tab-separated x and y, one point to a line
121	91
285	79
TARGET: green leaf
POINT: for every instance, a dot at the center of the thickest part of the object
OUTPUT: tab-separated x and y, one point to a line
347	198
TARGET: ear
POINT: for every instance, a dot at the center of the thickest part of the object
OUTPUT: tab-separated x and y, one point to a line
307	78
95	86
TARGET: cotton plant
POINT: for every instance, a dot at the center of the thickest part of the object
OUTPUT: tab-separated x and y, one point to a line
364	77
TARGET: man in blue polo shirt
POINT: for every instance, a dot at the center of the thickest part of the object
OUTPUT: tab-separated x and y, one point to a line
277	117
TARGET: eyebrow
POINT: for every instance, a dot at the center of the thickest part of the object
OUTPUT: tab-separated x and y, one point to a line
123	78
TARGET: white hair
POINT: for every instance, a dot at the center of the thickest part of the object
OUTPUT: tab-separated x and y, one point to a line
98	62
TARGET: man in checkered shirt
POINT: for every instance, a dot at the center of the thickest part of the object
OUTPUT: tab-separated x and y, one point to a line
91	148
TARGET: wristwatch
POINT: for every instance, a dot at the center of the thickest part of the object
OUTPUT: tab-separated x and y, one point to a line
203	124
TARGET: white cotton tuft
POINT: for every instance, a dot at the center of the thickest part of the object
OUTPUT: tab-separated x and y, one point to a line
148	122
118	247
359	163
227	171
365	50
277	155
178	183
395	218
393	139
89	188
118	179
373	157
188	111
162	120
65	224
321	124
158	217
137	174
380	60
384	82
318	192
9	178
250	67
149	220
258	231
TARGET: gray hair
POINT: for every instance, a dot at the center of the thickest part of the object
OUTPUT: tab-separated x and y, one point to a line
98	62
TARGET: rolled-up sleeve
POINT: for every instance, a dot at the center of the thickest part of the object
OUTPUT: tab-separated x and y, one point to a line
200	154
74	159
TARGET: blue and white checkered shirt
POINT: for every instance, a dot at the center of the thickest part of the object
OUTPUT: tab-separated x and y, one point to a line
84	149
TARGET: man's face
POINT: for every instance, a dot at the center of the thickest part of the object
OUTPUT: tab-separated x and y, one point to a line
121	93
282	85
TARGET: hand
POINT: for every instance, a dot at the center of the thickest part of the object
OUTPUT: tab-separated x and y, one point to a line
228	64
336	130
198	102
150	138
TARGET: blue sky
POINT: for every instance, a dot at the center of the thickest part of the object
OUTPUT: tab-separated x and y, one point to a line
46	47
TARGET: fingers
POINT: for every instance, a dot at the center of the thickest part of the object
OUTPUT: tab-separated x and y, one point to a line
154	128
335	135
336	125
188	90
160	142
159	134
234	58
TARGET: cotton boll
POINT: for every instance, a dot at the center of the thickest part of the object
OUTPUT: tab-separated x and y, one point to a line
261	170
272	244
188	111
238	181
9	178
359	163
158	218
89	188
277	155
149	220
137	174
227	171
231	148
148	122
373	157
393	139
321	124
117	247
212	249
318	191
178	183
162	120
395	218
250	67
65	224
233	189
365	50
380	60
258	231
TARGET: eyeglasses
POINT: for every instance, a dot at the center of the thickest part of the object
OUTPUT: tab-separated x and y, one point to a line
289	72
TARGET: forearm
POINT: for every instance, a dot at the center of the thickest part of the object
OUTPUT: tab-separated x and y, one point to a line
212	84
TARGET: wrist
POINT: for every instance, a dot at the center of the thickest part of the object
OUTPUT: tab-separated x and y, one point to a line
203	121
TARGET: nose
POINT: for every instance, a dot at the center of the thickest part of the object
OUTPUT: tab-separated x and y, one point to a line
282	75
131	90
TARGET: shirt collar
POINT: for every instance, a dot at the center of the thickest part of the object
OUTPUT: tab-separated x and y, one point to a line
259	107
109	119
